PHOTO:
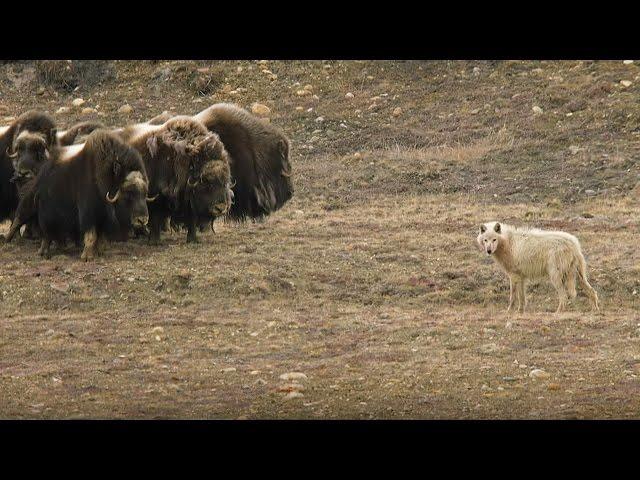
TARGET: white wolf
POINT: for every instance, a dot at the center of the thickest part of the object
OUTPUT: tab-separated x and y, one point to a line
533	254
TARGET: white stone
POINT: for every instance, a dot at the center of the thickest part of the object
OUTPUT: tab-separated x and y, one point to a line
260	109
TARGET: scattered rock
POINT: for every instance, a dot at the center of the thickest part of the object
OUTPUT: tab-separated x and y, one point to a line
574	149
627	62
586	215
538	373
88	111
292	395
302	93
78	102
626	83
63	110
125	109
589	193
537	110
293	376
397	112
40	91
299	109
553	386
260	109
228	369
319	119
349	95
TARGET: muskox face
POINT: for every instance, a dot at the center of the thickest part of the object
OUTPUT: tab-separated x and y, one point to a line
210	192
130	200
28	153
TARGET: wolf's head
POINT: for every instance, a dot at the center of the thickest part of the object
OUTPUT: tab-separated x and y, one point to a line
490	237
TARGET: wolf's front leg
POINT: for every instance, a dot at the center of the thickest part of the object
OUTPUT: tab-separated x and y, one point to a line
511	294
522	296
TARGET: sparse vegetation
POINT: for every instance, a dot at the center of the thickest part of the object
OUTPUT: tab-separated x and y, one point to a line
368	281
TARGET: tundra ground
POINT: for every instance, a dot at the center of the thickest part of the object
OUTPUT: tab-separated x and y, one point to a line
368	282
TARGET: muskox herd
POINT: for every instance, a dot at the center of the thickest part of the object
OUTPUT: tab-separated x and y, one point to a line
178	172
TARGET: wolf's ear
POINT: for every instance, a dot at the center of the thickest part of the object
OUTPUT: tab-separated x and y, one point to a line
497	227
483	229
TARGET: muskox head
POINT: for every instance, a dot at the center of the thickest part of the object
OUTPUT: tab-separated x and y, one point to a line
209	192
34	138
198	163
121	177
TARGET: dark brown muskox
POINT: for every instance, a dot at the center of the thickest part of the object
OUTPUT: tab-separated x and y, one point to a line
259	159
31	126
77	191
188	170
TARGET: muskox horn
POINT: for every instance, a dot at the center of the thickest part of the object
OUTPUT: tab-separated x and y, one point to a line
151	199
191	184
284	173
11	155
115	198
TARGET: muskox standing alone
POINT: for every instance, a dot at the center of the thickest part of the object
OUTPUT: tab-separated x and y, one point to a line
188	169
77	191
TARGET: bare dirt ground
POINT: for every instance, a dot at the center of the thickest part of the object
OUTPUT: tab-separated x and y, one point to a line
368	282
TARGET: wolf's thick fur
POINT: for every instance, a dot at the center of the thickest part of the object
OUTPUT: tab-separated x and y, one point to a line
528	254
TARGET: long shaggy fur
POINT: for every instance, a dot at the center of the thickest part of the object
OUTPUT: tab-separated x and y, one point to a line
180	149
34	122
529	254
71	193
259	159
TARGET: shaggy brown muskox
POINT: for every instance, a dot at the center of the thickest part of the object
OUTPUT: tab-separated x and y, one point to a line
188	169
77	191
34	136
31	126
259	159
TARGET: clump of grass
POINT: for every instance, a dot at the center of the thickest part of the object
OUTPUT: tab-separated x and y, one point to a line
66	75
205	81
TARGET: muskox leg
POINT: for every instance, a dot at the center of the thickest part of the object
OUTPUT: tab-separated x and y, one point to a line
191	232
15	228
90	240
156	221
44	248
31	231
100	245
